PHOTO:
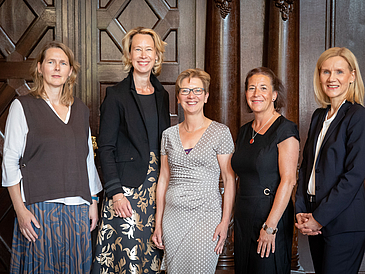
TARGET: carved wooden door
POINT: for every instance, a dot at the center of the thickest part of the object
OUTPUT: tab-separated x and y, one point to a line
93	30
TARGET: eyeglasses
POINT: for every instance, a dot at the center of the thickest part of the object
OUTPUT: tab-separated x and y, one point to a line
186	91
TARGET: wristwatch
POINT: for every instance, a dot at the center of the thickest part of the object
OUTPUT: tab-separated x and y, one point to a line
269	230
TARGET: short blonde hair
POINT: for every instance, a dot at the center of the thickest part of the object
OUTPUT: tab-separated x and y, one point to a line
159	47
67	91
355	92
193	73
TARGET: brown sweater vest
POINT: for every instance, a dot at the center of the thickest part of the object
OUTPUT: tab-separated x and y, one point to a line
54	162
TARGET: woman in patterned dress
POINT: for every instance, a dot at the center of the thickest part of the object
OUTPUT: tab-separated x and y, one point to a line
190	226
48	168
133	115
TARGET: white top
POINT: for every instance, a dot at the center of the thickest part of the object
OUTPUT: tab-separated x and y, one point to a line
326	124
16	131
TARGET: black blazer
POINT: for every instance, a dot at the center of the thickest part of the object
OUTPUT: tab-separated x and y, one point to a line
339	171
123	141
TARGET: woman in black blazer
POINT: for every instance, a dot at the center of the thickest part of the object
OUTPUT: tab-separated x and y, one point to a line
133	115
330	200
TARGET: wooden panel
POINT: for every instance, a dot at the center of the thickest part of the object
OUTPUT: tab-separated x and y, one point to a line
349	29
16	25
312	44
252	16
115	20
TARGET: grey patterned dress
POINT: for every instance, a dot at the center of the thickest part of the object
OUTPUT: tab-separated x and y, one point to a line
193	202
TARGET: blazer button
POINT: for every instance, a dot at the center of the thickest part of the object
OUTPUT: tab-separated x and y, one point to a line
131	158
24	165
317	170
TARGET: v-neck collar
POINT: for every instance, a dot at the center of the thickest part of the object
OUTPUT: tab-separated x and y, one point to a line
68	116
193	148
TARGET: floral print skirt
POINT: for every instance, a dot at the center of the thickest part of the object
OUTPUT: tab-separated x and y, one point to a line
124	245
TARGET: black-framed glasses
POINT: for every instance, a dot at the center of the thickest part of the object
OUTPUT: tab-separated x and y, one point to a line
186	91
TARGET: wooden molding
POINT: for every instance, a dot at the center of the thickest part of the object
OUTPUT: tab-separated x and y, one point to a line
224	6
286	7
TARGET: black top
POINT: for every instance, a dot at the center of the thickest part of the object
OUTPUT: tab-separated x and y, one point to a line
263	155
150	113
257	166
123	139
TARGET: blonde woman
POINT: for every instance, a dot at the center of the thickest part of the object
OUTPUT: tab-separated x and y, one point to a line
49	170
133	115
330	199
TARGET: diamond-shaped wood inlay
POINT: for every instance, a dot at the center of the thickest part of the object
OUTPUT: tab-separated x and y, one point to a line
49	3
108	50
103	3
172	3
171	48
48	36
137	14
15	25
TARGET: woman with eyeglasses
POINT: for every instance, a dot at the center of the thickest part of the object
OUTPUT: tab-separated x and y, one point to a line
190	226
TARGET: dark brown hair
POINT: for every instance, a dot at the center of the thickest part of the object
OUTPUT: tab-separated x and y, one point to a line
276	84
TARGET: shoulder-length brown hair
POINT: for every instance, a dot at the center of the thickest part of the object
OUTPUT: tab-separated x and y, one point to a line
355	92
276	84
159	47
67	91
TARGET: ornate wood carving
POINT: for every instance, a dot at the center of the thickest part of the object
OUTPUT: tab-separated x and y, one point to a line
286	7
222	62
224	7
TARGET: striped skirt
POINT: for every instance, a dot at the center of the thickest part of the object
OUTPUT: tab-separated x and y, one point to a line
63	244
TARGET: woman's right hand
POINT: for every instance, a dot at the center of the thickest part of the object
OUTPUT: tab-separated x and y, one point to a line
25	220
157	238
122	207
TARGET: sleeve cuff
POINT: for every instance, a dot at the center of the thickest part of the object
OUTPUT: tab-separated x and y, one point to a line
113	187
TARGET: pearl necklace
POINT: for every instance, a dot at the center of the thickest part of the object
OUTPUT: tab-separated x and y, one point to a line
253	131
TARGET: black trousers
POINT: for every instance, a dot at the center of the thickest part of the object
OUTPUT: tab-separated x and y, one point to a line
337	254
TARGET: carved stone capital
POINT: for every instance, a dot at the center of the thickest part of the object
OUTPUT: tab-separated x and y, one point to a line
224	6
286	7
